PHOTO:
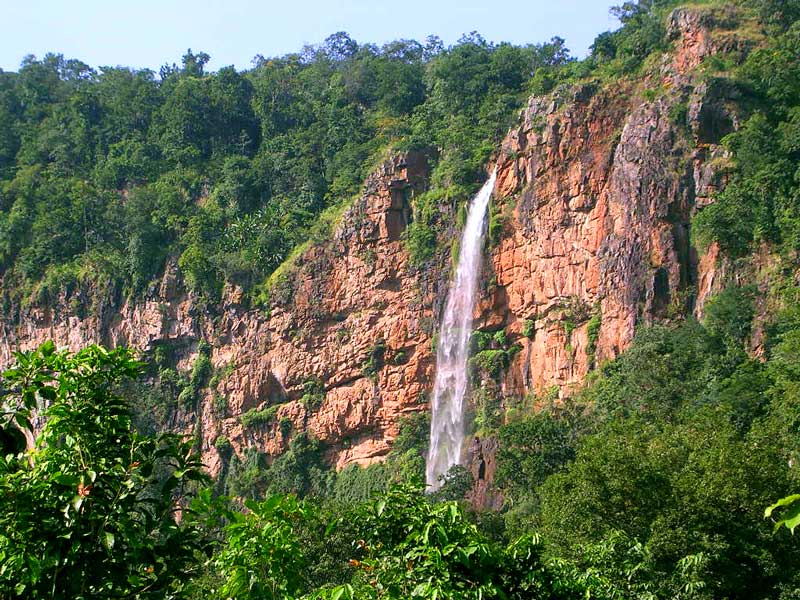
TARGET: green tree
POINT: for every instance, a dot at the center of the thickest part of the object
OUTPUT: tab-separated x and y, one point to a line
90	510
262	556
418	549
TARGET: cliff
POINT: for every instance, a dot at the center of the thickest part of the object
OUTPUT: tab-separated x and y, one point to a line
596	189
599	186
346	312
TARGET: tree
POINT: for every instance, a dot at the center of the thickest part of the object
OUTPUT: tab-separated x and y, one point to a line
90	509
414	548
262	557
339	46
194	64
531	450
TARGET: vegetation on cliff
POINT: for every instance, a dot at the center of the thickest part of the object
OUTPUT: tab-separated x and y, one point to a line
760	205
650	483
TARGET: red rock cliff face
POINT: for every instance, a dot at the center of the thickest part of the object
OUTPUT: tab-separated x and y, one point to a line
348	313
354	318
597	186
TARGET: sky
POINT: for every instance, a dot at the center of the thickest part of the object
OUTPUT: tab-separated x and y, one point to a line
150	33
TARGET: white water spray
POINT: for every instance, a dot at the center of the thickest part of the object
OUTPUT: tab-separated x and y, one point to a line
449	389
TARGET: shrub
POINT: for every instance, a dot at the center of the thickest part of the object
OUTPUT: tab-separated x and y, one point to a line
480	340
729	314
454	485
500	339
258	417
491	362
262	556
593	331
313	394
531	450
89	510
528	328
355	484
223	445
374	362
488	411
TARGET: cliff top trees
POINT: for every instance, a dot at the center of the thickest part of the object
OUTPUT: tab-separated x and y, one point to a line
287	139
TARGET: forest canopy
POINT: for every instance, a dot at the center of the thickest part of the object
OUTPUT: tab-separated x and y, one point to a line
104	173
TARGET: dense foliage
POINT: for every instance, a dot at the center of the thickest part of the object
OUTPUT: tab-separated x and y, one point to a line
673	452
89	510
104	174
762	202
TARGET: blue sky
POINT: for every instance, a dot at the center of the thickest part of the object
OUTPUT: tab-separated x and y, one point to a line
149	33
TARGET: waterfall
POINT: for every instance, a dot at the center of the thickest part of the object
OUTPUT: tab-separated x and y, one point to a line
450	386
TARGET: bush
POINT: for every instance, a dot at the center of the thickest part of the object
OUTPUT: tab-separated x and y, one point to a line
454	485
262	556
528	328
223	445
654	484
490	362
313	394
90	509
374	362
430	550
729	315
531	450
355	484
259	417
201	369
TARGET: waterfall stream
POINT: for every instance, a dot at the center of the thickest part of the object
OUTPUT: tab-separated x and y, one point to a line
450	386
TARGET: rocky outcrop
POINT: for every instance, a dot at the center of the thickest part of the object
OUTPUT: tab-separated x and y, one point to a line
598	186
348	313
596	190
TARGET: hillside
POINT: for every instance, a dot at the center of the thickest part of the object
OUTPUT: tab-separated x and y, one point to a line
277	244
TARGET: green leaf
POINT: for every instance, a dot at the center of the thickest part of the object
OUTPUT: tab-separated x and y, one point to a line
453	509
65	479
422	589
780	503
792	518
109	540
